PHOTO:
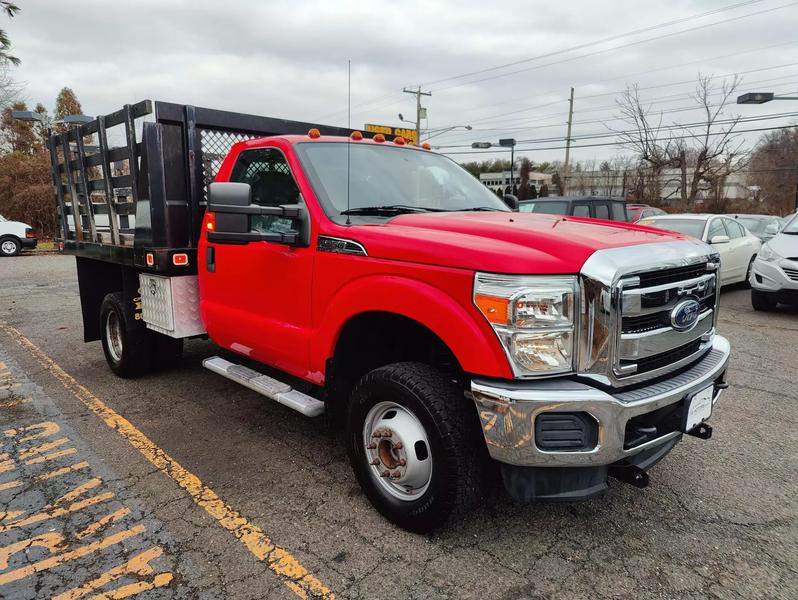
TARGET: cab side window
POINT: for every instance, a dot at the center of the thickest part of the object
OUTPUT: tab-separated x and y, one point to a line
602	211
734	228
716	228
269	177
581	210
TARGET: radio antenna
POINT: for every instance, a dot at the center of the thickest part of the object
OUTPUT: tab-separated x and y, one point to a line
349	136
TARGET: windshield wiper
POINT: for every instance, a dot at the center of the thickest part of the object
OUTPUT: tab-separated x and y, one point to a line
390	209
479	208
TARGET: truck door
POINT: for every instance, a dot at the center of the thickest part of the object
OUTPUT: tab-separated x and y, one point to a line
256	296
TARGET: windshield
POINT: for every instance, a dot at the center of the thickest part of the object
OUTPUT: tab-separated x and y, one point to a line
2	219
692	227
792	227
390	176
551	208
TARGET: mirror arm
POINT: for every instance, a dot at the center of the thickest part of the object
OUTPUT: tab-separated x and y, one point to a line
253	236
289	211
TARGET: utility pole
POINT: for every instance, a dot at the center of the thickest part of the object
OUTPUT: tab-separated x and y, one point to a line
418	93
568	143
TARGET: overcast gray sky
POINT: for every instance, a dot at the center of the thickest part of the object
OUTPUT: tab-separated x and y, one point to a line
288	59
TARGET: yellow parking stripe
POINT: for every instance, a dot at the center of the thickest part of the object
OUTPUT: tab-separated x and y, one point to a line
295	576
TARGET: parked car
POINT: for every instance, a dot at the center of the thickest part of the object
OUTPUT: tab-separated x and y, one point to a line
436	325
635	212
737	246
774	277
594	207
14	236
762	226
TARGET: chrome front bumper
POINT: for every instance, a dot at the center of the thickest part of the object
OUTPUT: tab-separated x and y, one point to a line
508	410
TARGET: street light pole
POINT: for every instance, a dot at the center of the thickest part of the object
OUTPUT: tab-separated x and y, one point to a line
761	98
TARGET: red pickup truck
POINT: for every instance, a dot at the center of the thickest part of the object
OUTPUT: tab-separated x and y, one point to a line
383	285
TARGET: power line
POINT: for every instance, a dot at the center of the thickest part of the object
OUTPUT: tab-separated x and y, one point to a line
747	51
603	108
622	46
596	135
595	42
529	108
679	137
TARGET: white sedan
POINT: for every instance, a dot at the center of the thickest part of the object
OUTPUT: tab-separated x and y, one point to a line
737	246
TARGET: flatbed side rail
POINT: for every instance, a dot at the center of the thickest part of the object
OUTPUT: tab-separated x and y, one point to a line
136	180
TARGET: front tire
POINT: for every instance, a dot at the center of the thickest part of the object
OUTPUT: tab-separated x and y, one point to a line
414	445
763	300
747	281
10	246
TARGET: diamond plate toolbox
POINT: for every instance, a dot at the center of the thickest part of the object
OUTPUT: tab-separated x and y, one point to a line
170	305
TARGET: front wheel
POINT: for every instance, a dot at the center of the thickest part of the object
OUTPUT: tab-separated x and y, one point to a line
413	445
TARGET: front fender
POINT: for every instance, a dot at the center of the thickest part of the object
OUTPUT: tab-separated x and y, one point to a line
462	328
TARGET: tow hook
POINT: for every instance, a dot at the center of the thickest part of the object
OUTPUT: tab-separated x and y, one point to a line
630	474
703	431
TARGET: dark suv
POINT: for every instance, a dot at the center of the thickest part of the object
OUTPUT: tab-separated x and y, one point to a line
596	207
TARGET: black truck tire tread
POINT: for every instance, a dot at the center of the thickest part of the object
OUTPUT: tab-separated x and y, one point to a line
457	427
137	343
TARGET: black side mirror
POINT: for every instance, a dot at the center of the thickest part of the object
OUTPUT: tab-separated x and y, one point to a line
511	201
232	205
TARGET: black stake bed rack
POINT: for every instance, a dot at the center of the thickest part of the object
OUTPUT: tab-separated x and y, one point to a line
147	195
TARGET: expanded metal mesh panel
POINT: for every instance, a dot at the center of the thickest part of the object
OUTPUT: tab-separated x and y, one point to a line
215	146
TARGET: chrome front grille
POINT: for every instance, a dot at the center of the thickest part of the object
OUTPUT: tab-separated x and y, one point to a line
648	340
630	299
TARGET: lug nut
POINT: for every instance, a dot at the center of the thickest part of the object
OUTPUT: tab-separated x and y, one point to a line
402	462
376	434
372	446
396	475
375	462
398	445
385	473
388	433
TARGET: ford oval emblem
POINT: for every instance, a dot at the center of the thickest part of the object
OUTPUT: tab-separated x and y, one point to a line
684	315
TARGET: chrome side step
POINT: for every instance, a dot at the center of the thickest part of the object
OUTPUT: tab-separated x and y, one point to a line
265	385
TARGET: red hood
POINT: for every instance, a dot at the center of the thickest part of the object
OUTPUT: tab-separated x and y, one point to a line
500	242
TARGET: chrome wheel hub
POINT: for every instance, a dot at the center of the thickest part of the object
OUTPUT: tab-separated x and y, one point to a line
113	335
9	247
397	450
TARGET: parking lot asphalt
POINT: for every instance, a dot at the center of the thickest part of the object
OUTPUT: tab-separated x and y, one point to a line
183	484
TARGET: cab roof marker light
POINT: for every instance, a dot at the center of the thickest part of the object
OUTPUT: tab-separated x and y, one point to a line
314	133
399	140
379	138
356	136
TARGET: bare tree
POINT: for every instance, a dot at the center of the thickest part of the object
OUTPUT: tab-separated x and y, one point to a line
682	160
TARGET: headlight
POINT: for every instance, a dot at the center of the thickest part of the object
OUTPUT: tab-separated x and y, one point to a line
767	254
533	318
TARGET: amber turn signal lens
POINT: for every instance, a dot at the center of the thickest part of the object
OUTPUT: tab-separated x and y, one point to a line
494	309
379	138
357	136
399	140
314	133
426	146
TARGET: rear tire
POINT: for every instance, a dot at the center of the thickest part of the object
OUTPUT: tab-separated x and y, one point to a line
10	246
127	345
436	470
764	301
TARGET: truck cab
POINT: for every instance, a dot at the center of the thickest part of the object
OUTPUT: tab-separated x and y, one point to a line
446	335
